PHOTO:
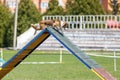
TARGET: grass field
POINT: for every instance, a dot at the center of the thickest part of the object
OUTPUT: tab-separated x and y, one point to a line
70	69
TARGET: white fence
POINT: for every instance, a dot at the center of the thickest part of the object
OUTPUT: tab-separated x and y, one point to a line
88	21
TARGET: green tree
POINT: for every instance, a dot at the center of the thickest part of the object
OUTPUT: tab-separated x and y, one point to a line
27	14
9	33
115	7
84	7
54	8
5	16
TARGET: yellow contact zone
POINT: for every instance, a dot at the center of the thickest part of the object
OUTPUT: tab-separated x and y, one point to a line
97	74
0	68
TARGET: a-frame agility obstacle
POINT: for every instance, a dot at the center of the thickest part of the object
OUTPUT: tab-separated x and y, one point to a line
41	37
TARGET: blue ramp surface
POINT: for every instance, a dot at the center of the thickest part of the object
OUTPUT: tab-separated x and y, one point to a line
75	50
23	53
84	58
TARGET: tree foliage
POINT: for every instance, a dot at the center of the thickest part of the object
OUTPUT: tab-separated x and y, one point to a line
115	7
84	7
54	8
5	16
9	33
27	15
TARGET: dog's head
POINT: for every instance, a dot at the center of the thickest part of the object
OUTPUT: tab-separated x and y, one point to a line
59	23
56	23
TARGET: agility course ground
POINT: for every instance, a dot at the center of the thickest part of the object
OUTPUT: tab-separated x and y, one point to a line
69	69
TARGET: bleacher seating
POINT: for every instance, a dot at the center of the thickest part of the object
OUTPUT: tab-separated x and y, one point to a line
89	32
89	39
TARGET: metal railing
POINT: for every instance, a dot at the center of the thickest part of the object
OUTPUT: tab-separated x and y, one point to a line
87	21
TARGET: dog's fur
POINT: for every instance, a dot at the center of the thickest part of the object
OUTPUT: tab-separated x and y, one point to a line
45	23
60	24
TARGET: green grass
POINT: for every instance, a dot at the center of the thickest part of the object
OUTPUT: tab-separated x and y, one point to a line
70	69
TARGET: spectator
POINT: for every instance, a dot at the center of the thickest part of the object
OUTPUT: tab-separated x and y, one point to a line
112	24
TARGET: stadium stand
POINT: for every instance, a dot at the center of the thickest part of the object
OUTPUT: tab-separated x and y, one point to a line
89	32
89	40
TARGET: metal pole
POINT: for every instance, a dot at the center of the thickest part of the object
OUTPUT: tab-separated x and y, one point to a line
60	55
115	60
15	25
1	53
